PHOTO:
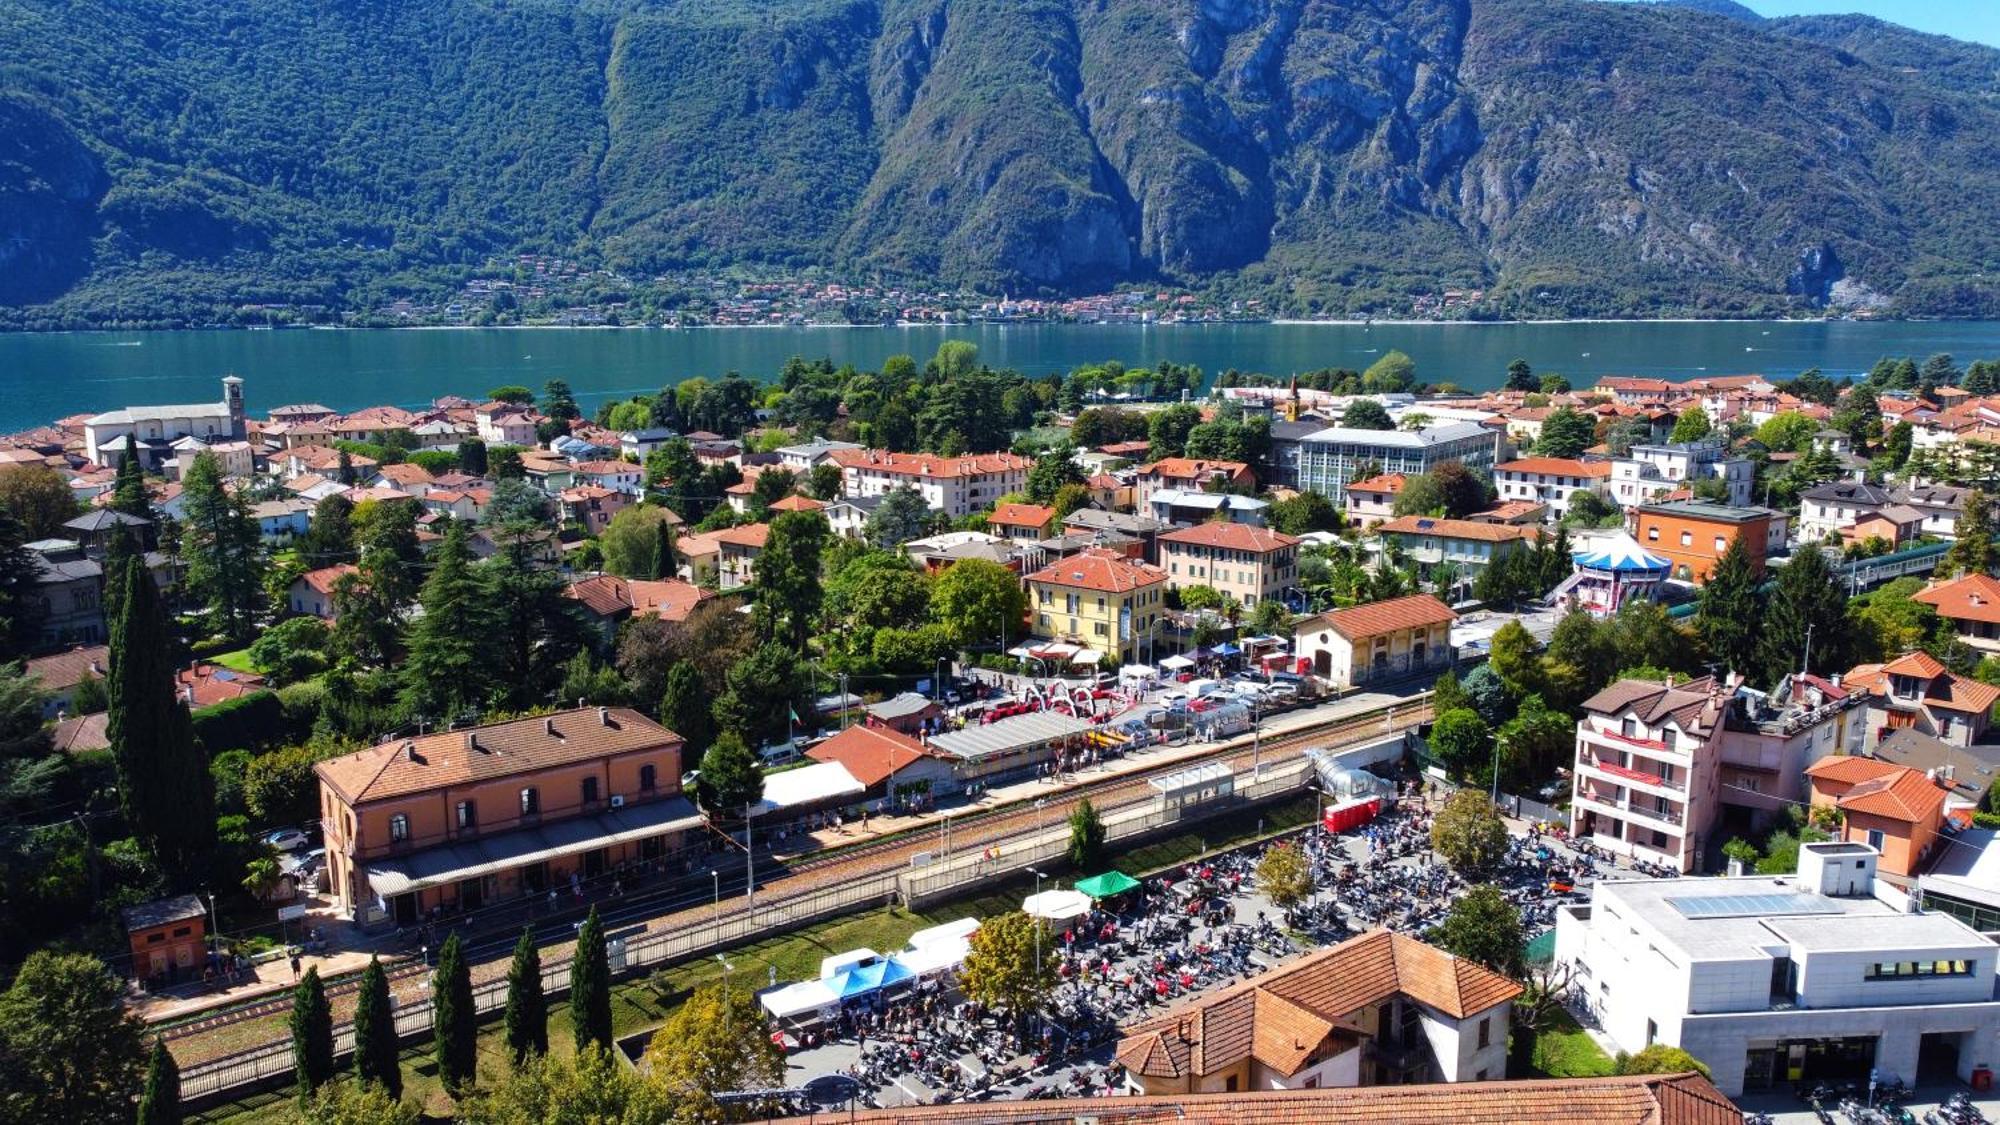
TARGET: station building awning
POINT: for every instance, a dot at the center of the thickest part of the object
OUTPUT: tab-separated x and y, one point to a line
486	855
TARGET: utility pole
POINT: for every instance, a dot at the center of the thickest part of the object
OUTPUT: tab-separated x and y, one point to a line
749	858
1805	659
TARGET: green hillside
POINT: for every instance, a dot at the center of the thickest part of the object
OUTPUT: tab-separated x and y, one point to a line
170	161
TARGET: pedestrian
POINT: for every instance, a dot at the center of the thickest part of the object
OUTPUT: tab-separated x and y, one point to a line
295	966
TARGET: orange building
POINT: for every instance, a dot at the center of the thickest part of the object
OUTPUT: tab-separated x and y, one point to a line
1694	535
457	820
1896	810
167	937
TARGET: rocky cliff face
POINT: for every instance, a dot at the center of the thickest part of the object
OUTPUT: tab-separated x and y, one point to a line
1567	155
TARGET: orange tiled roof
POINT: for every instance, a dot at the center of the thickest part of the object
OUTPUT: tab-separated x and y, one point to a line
406	766
1104	571
1919	664
1021	515
929	465
326	577
750	535
1648	1099
1555	467
1456	529
1947	689
797	503
1191	468
1905	794
1391	483
1232	536
1412	612
1976	597
870	753
1850	769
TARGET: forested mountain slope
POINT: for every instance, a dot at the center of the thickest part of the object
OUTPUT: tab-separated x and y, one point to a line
173	158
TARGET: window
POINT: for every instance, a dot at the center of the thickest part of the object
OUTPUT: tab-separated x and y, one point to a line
1687	538
468	815
1628	727
1485	1036
589	790
1721	544
1652	535
1913	970
648	776
1875	838
531	801
399	827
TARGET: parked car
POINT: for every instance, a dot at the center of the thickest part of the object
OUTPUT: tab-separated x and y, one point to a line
304	864
288	839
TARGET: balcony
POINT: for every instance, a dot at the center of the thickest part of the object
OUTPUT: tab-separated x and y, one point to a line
1633	776
1626	807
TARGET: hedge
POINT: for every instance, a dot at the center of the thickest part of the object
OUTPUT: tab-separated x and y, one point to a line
252	722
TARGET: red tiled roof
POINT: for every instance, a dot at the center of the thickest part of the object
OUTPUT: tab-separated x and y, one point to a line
1391	483
1905	795
1445	528
1976	597
929	465
870	753
1920	664
326	577
750	535
1555	467
1101	570
1850	769
1193	468
1412	612
63	670
797	503
1021	515
1946	689
405	766
1233	536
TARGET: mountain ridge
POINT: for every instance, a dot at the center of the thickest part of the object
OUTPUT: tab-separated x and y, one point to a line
1567	156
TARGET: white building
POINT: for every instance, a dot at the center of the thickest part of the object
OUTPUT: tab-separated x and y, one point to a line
1648	768
802	458
155	428
1653	469
1550	481
956	486
1774	980
1826	508
1328	460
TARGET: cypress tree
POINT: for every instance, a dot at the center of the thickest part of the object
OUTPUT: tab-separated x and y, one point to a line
164	785
684	709
128	494
1806	606
590	986
527	1020
1972	551
376	1057
224	550
456	1030
312	1036
160	1101
663	550
1726	610
445	671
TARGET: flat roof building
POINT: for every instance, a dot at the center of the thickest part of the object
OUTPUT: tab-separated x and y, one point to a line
1329	458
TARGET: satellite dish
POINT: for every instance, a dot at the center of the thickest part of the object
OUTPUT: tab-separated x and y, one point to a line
830	1090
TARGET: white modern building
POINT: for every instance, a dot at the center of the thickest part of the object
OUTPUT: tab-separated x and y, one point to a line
1772	980
1654	469
156	428
1328	460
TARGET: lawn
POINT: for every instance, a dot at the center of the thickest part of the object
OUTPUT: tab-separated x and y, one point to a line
1565	1050
238	661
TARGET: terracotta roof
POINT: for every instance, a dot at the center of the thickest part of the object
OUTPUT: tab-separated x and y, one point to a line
83	733
1411	612
797	503
63	670
1645	1099
1850	769
1232	536
1946	689
870	753
1556	467
1279	1017
1126	448
604	468
406	766
1391	483
1021	515
205	685
608	595
1903	794
1975	597
750	535
1192	468
1919	664
326	577
1102	570
928	465
1456	529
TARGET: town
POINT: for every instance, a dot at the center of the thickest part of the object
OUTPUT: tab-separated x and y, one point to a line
942	740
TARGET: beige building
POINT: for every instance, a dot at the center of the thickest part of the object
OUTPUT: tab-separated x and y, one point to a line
1377	641
1248	563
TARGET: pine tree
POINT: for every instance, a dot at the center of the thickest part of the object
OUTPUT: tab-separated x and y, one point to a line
527	1020
1807	606
377	1057
128	494
20	621
1726	610
1086	837
164	785
160	1101
684	709
1972	551
456	1030
447	672
312	1036
223	547
590	986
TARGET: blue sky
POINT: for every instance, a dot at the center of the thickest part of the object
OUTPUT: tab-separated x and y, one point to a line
1975	20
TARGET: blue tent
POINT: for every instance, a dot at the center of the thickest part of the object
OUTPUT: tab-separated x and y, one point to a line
1621	554
1226	649
872	977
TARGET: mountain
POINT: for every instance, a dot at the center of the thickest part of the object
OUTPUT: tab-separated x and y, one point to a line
169	160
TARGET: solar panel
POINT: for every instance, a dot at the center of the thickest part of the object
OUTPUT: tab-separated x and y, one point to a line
1753	906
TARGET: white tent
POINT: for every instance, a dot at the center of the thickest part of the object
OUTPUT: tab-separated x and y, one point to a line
961	930
1057	906
798	999
1138	673
830	967
1176	663
936	957
807	785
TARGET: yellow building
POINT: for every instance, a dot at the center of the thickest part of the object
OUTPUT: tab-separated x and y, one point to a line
1099	599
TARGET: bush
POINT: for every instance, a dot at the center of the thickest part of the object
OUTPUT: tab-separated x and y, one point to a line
252	721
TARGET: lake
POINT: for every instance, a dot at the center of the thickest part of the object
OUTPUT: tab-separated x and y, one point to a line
47	376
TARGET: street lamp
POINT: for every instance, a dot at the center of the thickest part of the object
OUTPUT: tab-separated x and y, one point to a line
716	875
1038	923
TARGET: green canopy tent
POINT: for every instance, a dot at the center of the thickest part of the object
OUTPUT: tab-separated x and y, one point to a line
1107	885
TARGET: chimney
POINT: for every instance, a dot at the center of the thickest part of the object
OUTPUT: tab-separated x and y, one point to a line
604	716
96	669
472	741
410	750
549	727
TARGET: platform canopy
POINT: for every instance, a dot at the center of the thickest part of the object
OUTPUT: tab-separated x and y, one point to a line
808	785
1621	554
1107	885
1008	736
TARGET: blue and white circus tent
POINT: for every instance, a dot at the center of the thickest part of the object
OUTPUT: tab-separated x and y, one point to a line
1611	572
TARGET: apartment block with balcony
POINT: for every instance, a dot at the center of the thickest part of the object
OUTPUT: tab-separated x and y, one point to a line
1550	481
1648	770
1770	739
1776	980
461	819
1649	470
1245	562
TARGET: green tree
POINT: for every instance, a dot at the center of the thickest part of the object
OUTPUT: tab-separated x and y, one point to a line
717	1040
1304	512
472	457
164	785
590	987
512	393
977	600
223	549
1484	927
312	1036
731	779
1051	471
1972	551
1462	741
1086	837
684	709
1392	373
1447	695
329	538
1468	832
292	650
447	671
351	1104
377	1053
1516	658
558	402
68	1051
1728	607
1566	432
1366	414
1662	1059
40	500
20	572
787	581
900	517
1167	430
527	1018
535	628
591	1088
632	542
455	1024
766	695
1007	967
1692	425
1538	740
1521	377
1284	875
128	494
1807	607
160	1098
